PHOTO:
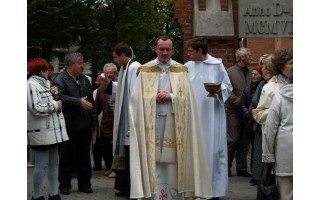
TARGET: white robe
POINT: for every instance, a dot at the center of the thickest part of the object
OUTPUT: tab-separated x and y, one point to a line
212	116
168	175
127	75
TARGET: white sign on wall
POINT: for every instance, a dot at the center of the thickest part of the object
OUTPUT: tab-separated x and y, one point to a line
261	18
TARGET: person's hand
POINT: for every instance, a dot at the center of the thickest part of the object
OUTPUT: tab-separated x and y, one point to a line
253	111
218	91
85	104
104	82
59	104
163	96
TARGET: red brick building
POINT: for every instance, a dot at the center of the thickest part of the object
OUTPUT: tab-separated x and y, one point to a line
225	46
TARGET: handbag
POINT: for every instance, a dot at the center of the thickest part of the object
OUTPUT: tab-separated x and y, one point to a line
267	188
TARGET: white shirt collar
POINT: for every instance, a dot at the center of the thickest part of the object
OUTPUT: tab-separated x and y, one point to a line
160	64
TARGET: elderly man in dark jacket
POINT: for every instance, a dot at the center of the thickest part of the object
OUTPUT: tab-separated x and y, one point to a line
75	91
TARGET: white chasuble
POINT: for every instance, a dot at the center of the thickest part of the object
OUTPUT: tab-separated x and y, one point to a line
126	82
166	162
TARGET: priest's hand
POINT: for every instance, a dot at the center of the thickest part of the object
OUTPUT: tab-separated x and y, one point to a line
163	96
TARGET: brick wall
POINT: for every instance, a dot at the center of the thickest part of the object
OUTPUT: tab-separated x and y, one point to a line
260	46
220	47
225	47
183	10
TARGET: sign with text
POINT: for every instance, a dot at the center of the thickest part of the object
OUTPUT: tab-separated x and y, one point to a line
263	19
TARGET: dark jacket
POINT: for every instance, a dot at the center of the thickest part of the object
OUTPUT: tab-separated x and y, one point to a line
70	93
247	98
255	101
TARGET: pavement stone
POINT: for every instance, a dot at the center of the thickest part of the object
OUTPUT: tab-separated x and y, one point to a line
239	188
102	187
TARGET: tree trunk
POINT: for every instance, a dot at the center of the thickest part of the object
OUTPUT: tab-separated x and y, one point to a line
46	49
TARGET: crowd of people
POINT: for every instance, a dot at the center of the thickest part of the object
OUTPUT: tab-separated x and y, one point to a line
156	128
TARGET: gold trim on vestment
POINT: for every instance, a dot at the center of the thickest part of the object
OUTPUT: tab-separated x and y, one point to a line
178	68
148	68
167	142
156	68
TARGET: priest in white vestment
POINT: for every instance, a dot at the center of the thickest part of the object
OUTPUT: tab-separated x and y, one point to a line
167	155
204	68
124	57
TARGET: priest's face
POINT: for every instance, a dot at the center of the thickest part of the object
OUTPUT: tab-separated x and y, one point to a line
164	50
120	59
194	55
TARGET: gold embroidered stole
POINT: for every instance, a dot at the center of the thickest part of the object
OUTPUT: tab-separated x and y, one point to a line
149	91
149	86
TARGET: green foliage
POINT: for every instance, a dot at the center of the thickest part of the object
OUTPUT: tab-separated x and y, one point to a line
96	26
54	24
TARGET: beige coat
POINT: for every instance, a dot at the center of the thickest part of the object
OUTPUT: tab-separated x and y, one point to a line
268	91
279	133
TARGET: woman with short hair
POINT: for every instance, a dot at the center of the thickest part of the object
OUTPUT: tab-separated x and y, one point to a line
46	128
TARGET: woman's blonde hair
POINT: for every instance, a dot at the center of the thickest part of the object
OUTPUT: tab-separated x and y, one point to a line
269	65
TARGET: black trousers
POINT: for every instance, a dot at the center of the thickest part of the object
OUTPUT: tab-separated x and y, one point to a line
238	141
122	180
97	157
103	149
75	154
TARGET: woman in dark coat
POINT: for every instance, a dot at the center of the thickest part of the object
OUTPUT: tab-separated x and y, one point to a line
245	103
256	155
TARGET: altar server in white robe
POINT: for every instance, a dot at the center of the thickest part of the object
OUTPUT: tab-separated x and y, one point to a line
204	68
167	159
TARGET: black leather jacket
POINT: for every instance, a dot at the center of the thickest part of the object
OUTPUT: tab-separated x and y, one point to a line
70	93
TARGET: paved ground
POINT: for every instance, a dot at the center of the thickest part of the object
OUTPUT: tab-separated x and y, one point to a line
239	188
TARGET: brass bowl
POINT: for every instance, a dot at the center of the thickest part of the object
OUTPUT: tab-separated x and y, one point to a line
212	88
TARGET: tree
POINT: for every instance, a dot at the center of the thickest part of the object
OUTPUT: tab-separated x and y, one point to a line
54	24
165	21
95	26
